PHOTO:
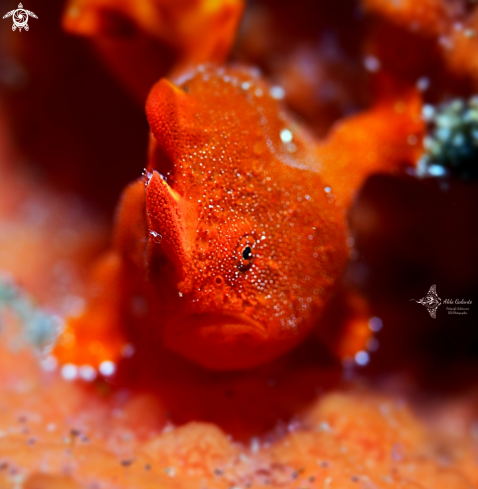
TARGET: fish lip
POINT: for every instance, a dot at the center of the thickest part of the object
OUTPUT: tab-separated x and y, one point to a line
227	340
220	340
210	319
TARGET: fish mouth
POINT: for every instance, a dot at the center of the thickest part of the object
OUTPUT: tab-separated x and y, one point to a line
224	322
220	341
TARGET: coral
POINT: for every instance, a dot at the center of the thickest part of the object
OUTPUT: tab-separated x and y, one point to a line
144	40
451	148
312	57
40	328
55	432
451	25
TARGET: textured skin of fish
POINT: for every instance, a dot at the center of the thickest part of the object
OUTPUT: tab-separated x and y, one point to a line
231	244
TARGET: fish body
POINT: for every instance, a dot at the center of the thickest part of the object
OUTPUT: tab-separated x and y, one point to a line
235	236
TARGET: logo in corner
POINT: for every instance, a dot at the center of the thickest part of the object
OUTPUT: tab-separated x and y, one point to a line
431	301
20	18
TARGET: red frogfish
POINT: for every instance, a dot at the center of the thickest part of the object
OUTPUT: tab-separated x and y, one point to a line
229	246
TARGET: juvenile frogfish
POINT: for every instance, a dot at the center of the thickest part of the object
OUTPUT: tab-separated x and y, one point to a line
229	246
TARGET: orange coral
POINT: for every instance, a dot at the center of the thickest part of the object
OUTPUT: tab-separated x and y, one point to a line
55	432
453	27
144	40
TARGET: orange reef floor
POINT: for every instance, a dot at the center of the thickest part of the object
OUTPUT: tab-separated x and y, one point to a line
58	434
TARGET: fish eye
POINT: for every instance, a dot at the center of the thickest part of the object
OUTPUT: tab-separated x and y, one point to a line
247	253
244	252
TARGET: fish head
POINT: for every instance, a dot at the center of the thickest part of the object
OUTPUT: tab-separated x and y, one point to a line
237	212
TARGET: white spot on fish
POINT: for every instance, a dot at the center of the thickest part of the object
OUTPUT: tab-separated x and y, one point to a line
286	136
277	92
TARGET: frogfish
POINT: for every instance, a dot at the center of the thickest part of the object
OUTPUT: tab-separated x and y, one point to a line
230	245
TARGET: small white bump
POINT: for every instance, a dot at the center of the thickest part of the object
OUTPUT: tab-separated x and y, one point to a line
436	171
148	176
49	363
362	358
69	371
277	92
128	350
375	324
428	112
87	372
286	136
373	344
157	238
107	368
371	64
423	84
255	445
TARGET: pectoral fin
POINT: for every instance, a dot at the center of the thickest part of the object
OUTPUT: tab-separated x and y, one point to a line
377	140
168	216
97	335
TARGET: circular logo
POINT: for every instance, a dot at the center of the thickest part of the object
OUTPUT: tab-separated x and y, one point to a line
20	18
